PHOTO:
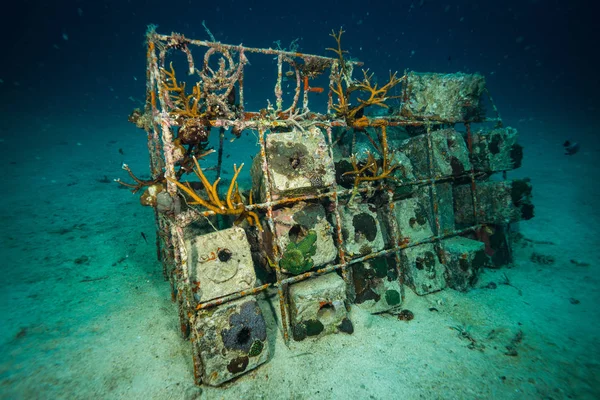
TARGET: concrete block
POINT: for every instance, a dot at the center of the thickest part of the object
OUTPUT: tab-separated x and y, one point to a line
299	163
498	202
464	259
424	273
445	202
229	340
446	97
294	223
450	154
361	230
411	219
496	150
376	285
317	307
219	263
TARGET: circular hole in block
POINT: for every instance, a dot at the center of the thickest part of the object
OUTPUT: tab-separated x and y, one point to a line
224	255
243	336
419	263
326	309
296	233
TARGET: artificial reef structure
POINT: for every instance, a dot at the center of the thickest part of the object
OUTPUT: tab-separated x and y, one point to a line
360	189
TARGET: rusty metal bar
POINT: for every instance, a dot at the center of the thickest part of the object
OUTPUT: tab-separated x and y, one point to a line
346	275
234	296
498	118
472	172
241	85
433	203
394	236
221	46
281	289
322	271
192	215
278	91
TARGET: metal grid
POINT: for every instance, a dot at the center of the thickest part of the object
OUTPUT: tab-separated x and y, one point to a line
170	242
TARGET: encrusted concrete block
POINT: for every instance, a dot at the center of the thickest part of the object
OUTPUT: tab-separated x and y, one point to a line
219	263
450	154
411	220
299	163
376	285
498	202
496	150
446	97
229	340
464	259
403	174
317	307
424	273
293	224
361	229
445	206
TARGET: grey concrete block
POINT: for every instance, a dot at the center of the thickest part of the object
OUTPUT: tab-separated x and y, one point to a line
445	206
299	163
361	230
464	259
450	154
498	202
317	306
219	263
376	285
496	150
294	223
424	273
411	220
445	97
229	340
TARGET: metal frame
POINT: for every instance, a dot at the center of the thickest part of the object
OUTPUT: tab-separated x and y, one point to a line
171	248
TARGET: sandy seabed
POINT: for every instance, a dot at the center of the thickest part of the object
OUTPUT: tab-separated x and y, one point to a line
85	312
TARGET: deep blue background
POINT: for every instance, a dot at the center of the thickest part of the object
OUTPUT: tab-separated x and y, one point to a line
537	56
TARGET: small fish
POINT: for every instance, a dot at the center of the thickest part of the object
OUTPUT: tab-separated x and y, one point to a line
144	236
121	152
570	148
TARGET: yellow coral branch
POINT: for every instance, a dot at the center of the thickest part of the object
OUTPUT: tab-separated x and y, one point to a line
236	172
377	95
185	105
371	165
197	199
211	190
232	205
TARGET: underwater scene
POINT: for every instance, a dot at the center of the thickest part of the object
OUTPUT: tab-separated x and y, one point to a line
314	200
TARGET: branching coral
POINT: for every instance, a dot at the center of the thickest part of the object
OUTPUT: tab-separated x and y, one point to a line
184	105
232	205
139	183
371	170
213	95
343	86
